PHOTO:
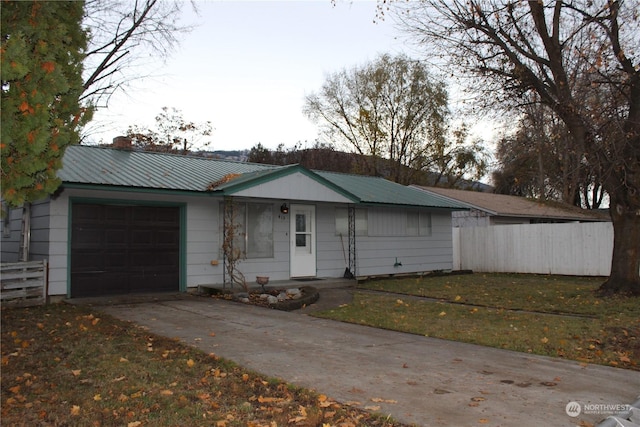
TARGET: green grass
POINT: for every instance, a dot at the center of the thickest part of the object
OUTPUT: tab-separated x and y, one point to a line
65	365
548	315
549	294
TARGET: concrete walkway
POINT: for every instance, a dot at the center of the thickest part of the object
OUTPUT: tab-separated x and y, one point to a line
416	380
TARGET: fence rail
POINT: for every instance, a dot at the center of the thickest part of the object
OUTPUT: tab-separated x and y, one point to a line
23	283
579	249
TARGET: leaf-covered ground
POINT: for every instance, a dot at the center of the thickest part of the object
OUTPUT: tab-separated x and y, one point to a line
556	316
66	365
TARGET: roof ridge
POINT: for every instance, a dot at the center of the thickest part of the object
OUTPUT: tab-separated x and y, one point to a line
177	155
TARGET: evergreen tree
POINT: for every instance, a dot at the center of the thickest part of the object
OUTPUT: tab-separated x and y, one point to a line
43	45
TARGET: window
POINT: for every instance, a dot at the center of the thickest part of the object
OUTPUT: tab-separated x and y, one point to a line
254	232
259	230
398	222
342	222
418	223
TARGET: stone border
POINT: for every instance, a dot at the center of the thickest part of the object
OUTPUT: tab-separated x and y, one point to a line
309	296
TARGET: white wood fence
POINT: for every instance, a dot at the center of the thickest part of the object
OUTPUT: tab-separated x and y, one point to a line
23	283
579	249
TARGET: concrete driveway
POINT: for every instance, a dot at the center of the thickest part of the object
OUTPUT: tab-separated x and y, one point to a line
416	380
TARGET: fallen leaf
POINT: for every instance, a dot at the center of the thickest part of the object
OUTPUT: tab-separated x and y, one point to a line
544	340
75	410
457	298
478	399
212	334
166	393
380	400
483	421
134	424
190	363
270	399
76	372
97	398
372	408
442	313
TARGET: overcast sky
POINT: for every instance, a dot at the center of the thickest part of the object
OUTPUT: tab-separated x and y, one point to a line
248	65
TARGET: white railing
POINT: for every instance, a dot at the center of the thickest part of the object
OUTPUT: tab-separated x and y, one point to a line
578	249
23	283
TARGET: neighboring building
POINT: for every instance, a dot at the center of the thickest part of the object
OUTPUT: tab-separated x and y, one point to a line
125	221
498	209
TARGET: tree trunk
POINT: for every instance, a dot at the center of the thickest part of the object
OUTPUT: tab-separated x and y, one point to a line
625	262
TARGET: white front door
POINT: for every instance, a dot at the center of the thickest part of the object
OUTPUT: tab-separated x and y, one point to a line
303	240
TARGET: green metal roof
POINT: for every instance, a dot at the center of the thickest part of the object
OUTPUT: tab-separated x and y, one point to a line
375	190
88	165
104	166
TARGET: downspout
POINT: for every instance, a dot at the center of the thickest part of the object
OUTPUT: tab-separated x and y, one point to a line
352	240
25	233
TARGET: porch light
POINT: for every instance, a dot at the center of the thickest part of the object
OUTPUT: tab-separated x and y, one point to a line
284	208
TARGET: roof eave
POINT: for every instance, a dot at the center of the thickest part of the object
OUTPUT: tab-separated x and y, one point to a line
131	189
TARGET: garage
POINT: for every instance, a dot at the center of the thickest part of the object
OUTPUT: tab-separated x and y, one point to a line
124	249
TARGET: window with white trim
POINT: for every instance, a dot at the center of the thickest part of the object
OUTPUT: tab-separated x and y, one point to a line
399	222
254	229
342	222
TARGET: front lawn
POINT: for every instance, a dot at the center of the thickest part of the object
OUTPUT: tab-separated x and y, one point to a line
556	316
65	365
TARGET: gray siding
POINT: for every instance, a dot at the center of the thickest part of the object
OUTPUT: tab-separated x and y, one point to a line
330	258
377	254
201	235
10	236
39	245
471	218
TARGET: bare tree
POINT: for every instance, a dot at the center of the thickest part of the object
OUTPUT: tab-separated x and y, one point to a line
581	60
123	34
393	114
172	134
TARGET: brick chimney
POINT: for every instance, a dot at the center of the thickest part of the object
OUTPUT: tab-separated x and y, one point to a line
122	143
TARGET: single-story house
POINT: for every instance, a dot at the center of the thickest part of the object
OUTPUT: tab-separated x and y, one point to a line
499	209
125	221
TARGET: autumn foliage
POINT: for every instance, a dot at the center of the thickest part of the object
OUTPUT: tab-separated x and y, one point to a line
42	53
68	365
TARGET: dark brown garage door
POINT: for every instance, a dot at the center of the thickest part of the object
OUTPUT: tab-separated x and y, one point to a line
124	249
